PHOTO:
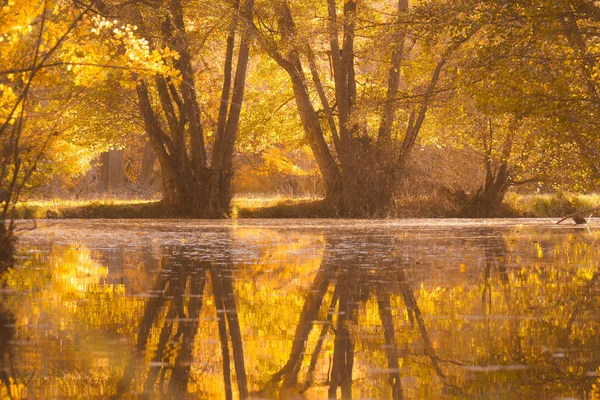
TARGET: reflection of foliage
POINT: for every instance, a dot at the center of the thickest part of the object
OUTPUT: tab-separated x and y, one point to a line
355	279
8	386
534	330
270	292
65	298
528	332
175	310
408	314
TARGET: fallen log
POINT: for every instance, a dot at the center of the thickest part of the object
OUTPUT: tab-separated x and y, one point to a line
577	216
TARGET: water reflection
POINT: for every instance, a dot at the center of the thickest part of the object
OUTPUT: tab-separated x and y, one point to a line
8	379
307	312
369	273
173	313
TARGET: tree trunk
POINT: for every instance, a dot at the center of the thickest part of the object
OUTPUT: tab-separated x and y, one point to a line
148	161
6	247
192	184
359	176
112	172
196	195
488	200
369	182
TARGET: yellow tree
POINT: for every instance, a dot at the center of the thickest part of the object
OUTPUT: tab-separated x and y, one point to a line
58	60
529	94
31	33
359	137
196	170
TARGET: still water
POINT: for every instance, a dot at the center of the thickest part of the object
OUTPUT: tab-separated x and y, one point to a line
292	309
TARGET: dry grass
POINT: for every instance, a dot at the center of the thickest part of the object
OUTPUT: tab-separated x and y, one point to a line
282	208
54	209
557	204
435	205
255	206
256	201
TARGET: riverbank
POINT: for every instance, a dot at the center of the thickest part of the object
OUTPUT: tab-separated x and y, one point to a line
515	205
550	205
254	207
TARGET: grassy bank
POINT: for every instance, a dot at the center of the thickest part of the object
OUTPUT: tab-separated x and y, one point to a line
56	209
550	205
254	207
535	206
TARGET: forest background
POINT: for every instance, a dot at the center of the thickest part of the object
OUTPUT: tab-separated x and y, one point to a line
362	108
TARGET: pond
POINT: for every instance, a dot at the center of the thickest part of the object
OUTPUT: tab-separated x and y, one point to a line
292	309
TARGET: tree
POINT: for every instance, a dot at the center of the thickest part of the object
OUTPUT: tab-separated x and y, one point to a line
33	35
523	96
193	179
354	135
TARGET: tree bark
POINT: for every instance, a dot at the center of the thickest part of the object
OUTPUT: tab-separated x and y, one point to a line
6	247
191	184
112	171
488	199
148	161
222	161
359	177
389	110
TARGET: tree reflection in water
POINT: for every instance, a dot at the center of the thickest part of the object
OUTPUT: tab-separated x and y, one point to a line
529	341
507	345
8	376
289	313
10	382
371	270
180	291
